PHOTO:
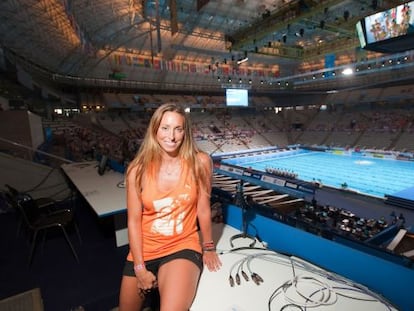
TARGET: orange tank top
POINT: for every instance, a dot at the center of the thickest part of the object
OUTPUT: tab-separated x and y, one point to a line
169	219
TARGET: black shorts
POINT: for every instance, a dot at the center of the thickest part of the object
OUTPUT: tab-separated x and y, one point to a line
155	264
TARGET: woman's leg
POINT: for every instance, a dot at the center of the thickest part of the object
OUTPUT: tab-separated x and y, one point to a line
130	299
177	284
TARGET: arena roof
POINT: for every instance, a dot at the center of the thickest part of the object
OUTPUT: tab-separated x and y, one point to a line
288	38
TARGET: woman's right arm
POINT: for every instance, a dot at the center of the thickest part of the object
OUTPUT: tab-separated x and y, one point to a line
134	210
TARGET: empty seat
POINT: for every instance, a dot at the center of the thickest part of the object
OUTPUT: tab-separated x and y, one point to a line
39	219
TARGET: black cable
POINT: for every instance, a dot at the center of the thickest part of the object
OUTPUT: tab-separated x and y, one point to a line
291	305
41	181
121	184
256	232
354	290
324	287
326	297
323	300
357	287
274	294
251	248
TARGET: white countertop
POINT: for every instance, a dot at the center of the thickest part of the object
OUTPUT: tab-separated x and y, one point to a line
215	293
105	194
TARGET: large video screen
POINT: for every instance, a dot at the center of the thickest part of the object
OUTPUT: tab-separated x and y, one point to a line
237	98
391	23
388	31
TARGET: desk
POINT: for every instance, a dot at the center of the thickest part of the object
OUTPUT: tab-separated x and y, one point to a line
215	293
104	193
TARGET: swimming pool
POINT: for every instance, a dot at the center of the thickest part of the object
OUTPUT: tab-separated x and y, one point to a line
370	176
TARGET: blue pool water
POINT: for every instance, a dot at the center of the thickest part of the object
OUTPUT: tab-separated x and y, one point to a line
369	176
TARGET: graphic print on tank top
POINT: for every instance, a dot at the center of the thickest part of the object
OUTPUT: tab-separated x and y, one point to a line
171	214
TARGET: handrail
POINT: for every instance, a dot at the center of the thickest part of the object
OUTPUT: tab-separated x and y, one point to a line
34	150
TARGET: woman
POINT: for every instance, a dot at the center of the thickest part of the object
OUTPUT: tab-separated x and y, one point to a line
168	191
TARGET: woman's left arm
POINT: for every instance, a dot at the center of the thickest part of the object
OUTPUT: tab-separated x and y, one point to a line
210	257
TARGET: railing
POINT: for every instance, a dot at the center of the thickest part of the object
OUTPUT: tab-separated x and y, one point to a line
29	153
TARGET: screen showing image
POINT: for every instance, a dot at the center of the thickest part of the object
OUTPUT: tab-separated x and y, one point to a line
389	24
237	97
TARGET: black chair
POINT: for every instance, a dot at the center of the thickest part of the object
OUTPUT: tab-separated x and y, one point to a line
38	222
11	201
43	202
40	219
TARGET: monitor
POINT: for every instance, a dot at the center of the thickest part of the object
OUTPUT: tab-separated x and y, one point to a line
389	31
237	98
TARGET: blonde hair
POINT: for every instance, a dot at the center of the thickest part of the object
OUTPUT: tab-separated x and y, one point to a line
148	158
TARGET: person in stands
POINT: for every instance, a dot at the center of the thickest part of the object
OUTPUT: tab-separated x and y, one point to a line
168	186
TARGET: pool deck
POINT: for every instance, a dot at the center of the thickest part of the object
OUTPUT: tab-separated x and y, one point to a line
407	194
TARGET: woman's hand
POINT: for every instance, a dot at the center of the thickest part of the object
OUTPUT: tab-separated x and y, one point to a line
146	280
211	260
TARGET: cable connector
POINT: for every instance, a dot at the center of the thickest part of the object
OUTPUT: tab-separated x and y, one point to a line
238	281
231	281
256	278
245	276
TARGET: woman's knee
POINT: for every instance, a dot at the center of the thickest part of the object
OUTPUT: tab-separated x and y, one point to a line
177	281
129	297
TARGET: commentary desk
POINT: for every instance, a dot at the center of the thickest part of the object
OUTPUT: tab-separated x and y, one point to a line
104	193
289	283
302	285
